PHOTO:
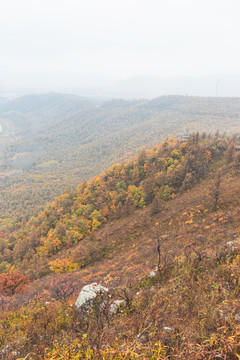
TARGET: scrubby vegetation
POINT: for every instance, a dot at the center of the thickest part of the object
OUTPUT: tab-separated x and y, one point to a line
174	211
153	178
189	310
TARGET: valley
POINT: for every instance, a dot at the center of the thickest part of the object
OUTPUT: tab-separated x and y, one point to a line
60	140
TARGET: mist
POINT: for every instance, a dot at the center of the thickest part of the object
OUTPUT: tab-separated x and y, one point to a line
128	48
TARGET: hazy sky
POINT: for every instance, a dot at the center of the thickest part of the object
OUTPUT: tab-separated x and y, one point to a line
43	41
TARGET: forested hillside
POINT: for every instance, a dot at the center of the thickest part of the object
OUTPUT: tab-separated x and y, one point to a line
52	142
33	112
176	207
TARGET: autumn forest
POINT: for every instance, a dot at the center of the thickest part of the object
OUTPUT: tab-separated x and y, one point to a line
140	197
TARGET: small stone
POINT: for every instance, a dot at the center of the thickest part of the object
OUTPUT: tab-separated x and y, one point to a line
115	305
167	328
152	273
233	245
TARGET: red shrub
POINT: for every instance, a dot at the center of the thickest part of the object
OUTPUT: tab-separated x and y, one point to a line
12	283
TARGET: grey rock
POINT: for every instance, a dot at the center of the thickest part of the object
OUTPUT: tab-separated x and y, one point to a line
115	305
88	294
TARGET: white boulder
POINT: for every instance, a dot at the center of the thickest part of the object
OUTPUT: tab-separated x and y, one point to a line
88	294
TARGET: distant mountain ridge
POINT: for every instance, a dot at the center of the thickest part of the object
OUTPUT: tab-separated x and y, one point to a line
35	110
154	86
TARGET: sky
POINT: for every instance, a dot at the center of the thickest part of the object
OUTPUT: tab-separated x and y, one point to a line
65	43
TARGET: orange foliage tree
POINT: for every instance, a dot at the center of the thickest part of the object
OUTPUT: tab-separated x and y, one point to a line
12	283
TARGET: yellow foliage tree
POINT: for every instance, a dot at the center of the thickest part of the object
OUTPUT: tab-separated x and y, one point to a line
52	244
61	266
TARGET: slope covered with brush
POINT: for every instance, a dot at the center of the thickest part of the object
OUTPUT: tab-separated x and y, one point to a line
176	206
153	178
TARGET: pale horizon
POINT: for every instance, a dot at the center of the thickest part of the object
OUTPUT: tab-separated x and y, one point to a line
78	46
